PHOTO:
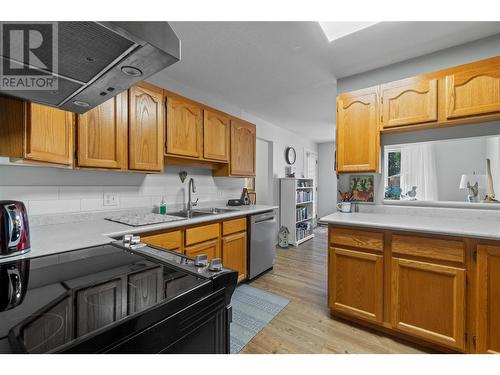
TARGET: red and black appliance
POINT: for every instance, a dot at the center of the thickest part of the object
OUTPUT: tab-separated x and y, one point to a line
14	229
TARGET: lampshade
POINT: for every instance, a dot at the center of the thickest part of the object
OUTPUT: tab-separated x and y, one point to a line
472	179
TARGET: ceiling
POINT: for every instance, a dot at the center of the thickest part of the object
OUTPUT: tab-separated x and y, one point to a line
285	72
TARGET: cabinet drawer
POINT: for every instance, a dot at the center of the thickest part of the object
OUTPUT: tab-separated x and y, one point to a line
203	233
429	247
357	238
234	226
168	240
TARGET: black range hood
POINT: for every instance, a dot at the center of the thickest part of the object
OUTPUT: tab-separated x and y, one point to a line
98	60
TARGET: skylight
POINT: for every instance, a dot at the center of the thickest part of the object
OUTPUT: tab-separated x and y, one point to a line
337	30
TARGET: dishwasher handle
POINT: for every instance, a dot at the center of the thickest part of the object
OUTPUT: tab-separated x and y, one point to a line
267	216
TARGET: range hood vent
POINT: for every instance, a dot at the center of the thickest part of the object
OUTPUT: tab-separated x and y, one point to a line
98	60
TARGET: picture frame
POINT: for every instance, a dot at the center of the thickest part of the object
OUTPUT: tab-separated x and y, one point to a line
362	188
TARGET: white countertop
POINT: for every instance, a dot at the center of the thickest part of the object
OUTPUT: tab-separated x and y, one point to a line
58	238
445	225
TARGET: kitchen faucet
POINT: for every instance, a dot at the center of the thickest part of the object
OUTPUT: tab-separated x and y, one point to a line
191	188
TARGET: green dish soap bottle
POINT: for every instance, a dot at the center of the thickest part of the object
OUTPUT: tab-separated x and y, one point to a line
163	206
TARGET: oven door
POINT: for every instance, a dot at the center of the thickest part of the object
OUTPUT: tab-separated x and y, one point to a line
201	328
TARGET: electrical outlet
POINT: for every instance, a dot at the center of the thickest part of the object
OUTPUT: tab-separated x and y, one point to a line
110	199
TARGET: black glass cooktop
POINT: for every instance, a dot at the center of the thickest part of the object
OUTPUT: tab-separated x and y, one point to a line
51	302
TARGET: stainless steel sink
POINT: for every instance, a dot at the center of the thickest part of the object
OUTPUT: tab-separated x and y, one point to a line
188	215
214	210
201	212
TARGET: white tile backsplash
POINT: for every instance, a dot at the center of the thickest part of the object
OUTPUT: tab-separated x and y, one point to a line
50	191
53	206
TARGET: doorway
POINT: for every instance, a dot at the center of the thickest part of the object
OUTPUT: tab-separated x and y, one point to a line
264	172
311	171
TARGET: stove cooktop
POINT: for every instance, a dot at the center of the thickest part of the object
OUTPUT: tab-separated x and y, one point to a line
138	220
52	302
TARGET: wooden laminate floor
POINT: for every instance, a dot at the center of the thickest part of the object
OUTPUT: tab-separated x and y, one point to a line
305	325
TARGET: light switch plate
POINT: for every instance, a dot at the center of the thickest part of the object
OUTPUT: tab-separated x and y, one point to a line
110	199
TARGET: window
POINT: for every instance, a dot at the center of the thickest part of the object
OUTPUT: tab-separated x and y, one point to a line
393	177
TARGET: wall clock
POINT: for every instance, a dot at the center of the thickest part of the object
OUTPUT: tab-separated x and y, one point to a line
290	155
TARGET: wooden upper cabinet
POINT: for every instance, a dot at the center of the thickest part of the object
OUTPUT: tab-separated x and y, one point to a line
408	102
49	134
102	135
355	280
36	132
473	89
358	139
243	147
184	128
146	128
487	289
215	136
428	301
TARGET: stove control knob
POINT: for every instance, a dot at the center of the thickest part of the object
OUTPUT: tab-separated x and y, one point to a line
201	260
215	265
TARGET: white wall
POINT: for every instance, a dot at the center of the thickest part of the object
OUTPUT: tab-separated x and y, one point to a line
53	190
327	179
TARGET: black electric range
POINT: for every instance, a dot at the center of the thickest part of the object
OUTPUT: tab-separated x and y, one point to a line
110	299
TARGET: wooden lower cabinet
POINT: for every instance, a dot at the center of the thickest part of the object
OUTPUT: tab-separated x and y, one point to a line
356	283
234	253
488	299
428	301
210	248
440	291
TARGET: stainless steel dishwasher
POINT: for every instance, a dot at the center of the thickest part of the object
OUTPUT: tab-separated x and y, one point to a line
262	242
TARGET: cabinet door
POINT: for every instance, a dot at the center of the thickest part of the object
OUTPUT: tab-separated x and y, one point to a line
408	102
488	299
356	283
144	290
99	306
215	136
234	254
428	301
473	90
146	127
209	248
184	128
358	138
102	135
49	134
243	144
